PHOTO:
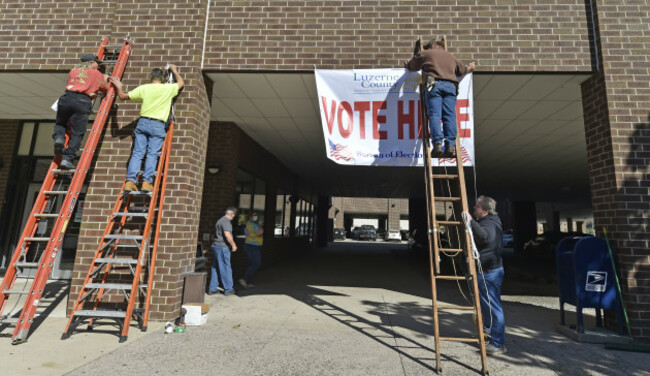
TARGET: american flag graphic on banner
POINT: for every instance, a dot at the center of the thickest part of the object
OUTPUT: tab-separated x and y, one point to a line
338	151
452	161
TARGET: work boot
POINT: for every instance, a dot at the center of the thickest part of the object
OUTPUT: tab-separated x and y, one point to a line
450	151
59	146
490	349
130	186
437	150
66	165
146	186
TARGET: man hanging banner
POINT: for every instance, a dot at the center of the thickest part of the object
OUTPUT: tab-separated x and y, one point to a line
372	117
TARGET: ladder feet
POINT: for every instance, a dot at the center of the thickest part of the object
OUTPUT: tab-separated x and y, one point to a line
18	341
144	329
123	339
65	336
90	328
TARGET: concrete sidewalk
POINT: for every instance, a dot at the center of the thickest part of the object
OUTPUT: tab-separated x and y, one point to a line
351	309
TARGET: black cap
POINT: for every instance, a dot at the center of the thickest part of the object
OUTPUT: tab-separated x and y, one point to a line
90	57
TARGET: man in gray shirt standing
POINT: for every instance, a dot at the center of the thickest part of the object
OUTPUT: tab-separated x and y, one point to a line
221	254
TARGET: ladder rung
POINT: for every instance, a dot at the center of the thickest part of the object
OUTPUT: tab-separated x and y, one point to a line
116	261
140	193
55	192
456	339
464	308
26	265
447	199
440	176
10	320
131	245
129	214
123	237
146	208
15	291
63	172
450	250
113	47
452	277
37	239
109	286
450	223
45	215
100	313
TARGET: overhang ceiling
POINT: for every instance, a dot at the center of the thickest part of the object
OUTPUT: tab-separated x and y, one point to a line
530	142
30	95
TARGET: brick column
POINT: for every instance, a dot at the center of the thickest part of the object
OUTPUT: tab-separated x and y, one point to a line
616	101
162	33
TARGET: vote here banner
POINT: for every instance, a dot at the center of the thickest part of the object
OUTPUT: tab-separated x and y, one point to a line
371	117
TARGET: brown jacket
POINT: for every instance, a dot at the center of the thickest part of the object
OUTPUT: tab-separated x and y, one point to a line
439	63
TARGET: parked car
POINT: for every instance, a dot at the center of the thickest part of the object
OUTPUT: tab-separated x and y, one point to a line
354	234
302	230
279	231
508	239
544	245
367	232
339	234
393	235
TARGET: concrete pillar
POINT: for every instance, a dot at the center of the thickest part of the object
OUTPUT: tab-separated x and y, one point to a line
569	224
418	221
525	223
322	227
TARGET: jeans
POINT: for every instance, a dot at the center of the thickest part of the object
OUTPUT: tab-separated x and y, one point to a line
221	261
73	108
254	260
149	138
441	104
495	322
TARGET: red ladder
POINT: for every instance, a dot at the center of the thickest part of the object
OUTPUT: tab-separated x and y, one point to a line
130	241
46	248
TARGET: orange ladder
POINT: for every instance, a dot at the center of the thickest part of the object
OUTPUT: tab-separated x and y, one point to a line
36	254
456	197
130	241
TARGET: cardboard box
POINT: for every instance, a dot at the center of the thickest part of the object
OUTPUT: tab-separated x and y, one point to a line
197	313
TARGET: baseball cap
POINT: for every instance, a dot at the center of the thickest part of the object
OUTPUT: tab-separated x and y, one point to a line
90	57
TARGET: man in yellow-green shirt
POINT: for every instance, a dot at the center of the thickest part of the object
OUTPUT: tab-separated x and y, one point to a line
156	98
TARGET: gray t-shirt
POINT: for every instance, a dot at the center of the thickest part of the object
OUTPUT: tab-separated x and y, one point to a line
223	224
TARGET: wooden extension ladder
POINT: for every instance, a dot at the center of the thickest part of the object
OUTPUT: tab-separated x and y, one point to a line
454	195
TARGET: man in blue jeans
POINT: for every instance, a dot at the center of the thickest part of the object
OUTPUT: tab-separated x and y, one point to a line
221	254
150	133
488	236
440	70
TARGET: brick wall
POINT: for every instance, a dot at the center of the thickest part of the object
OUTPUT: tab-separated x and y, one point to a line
501	35
51	34
616	102
8	137
157	41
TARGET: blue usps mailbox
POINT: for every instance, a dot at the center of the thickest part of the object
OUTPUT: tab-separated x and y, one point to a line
586	278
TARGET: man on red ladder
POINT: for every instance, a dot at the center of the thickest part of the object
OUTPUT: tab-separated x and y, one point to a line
156	98
74	106
439	71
